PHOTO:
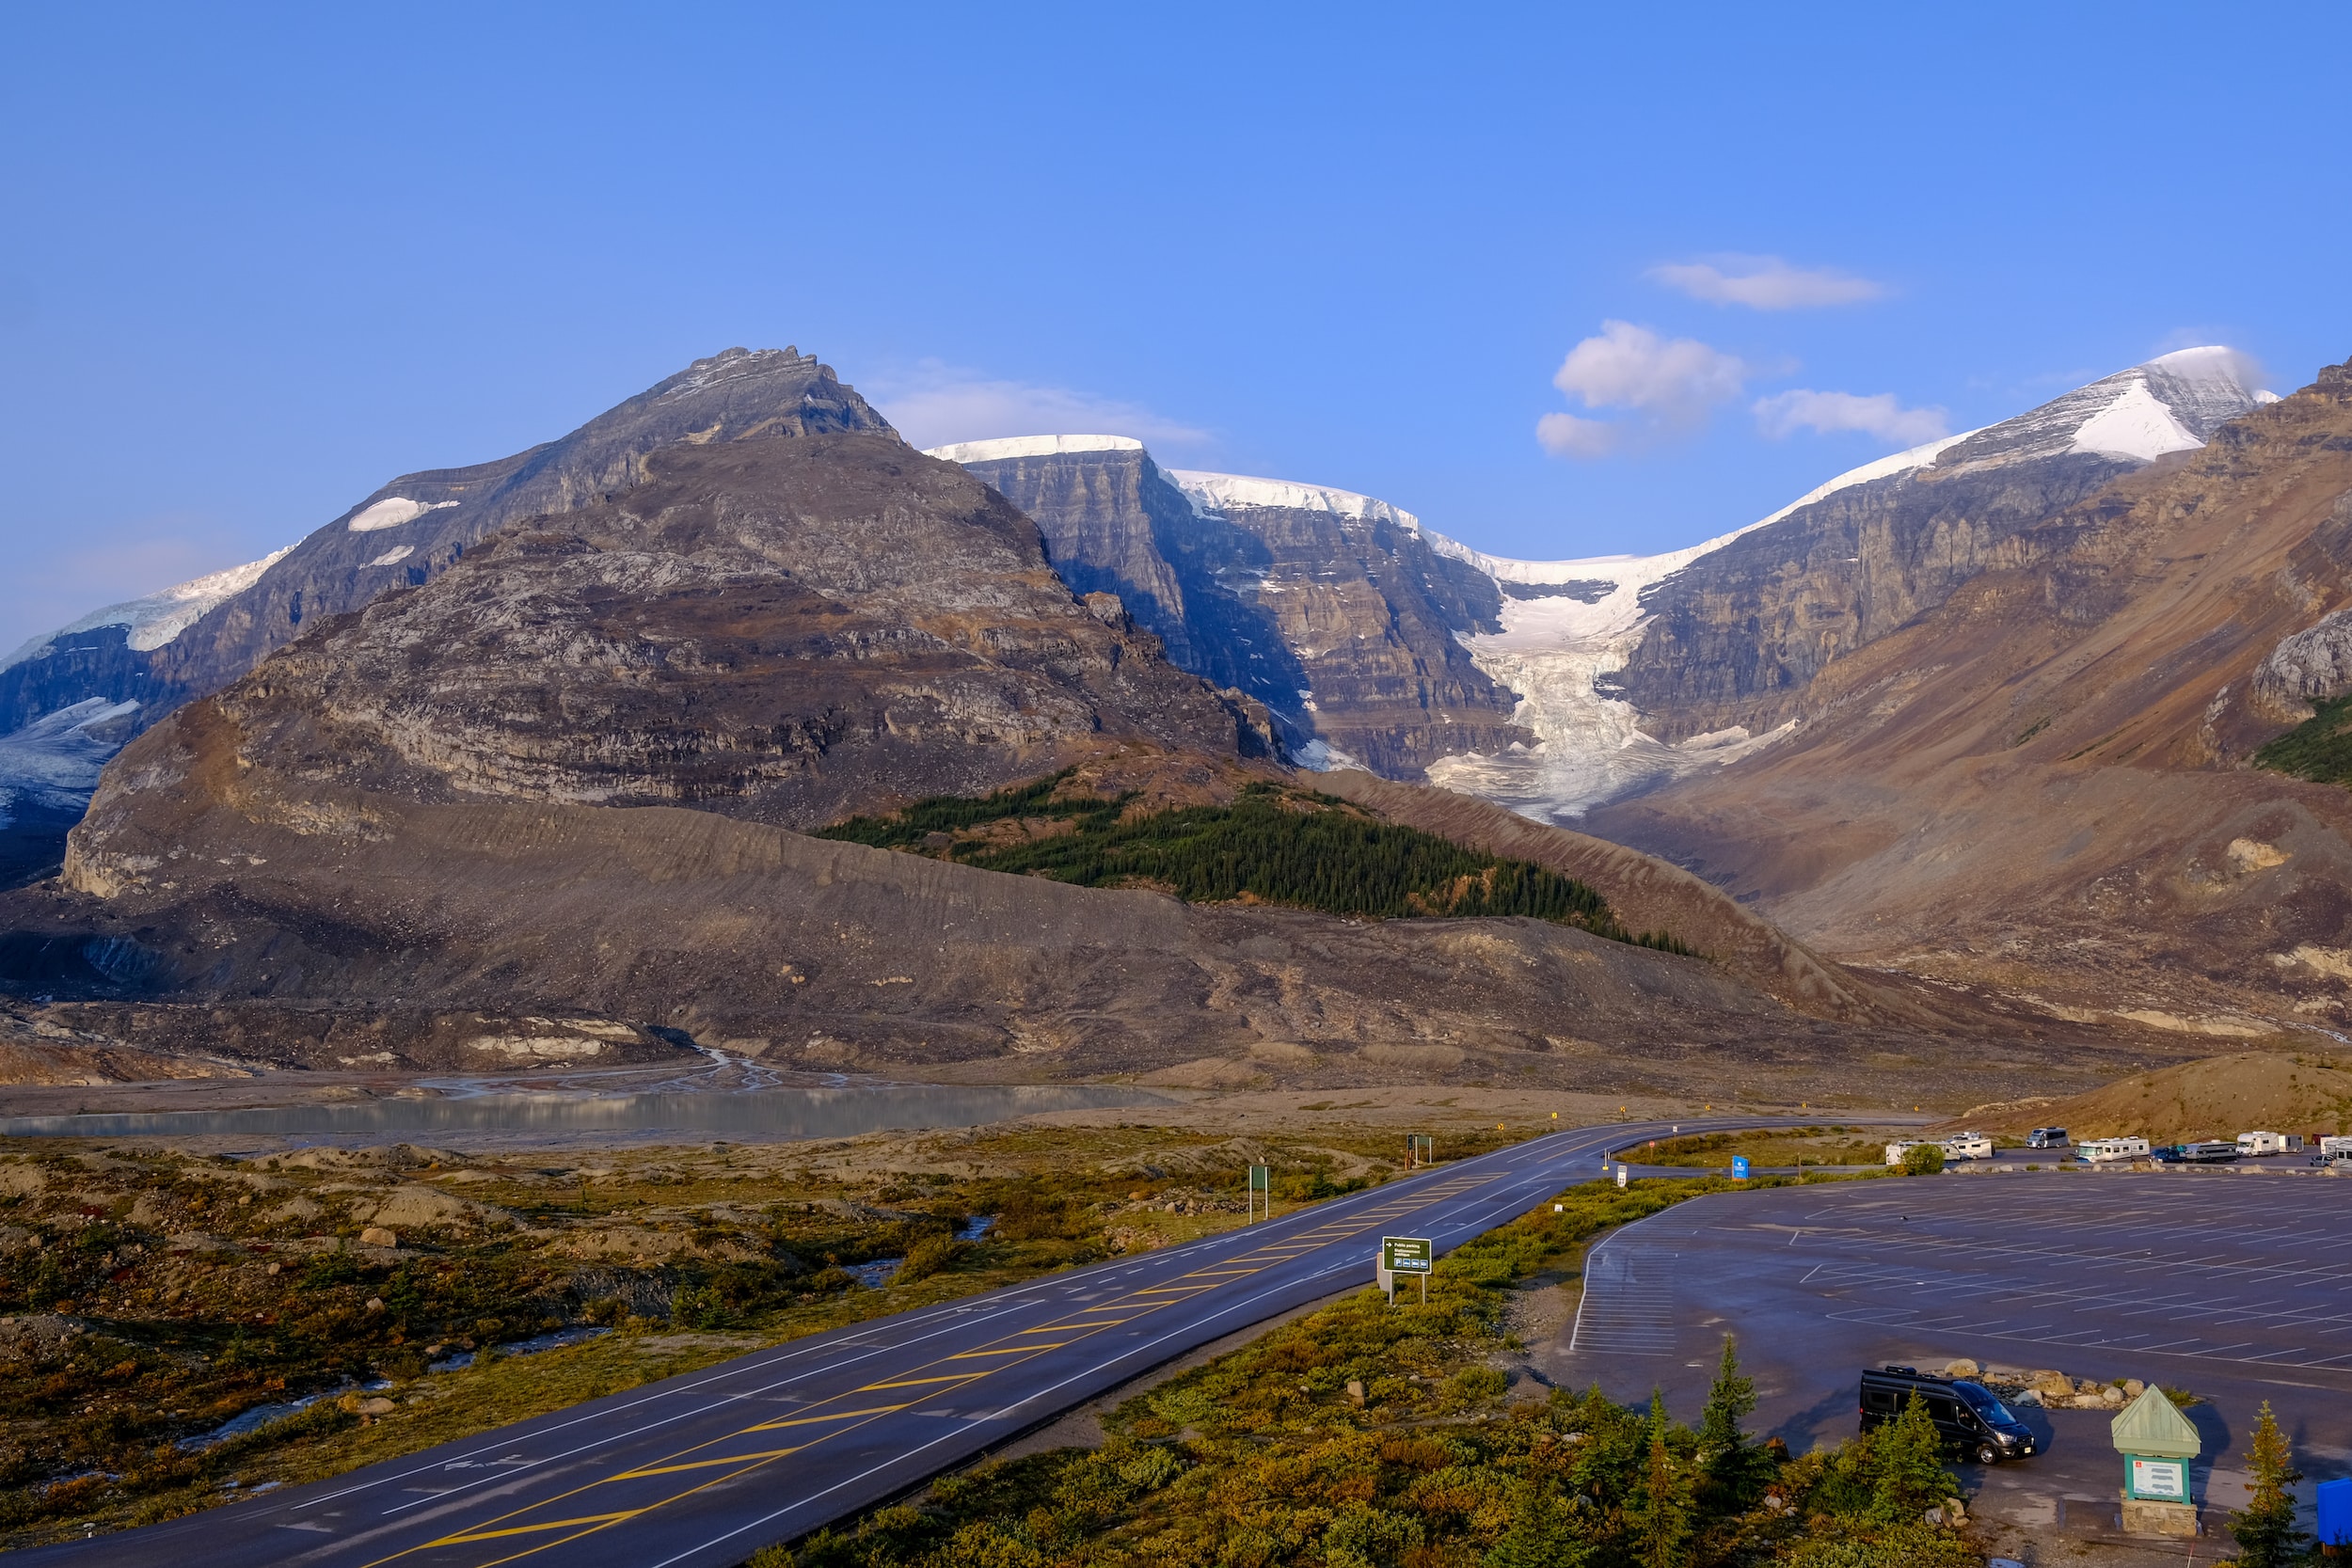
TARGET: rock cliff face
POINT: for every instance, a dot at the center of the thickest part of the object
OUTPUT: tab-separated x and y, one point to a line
155	653
785	629
1328	607
2043	782
538	809
1736	637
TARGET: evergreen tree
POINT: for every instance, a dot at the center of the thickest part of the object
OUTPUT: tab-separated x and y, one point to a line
1540	1535
1730	1465
2266	1536
1661	1506
1907	1476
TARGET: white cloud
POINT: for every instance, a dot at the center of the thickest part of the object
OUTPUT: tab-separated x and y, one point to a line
1627	366
1566	436
1784	413
1764	283
935	404
1669	383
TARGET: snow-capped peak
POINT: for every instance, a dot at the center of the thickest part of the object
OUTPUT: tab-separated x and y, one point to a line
1216	492
1029	446
156	618
2173	402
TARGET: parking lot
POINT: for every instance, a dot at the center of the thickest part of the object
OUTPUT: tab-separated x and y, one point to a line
2238	1286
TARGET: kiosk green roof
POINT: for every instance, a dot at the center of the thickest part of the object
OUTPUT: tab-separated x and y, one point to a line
2151	1425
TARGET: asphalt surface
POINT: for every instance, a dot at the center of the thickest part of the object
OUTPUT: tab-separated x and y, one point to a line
2236	1287
701	1470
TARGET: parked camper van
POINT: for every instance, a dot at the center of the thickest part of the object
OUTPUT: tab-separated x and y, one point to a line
1895	1150
2331	1147
2046	1137
1967	1416
2261	1143
1968	1146
2213	1152
2101	1152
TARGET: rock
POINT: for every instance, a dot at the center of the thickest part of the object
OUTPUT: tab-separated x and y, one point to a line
1348	627
378	1406
377	1235
1356	1390
375	1304
1963	1368
2133	1388
2111	1395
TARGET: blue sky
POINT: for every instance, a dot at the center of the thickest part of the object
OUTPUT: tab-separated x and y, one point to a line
261	260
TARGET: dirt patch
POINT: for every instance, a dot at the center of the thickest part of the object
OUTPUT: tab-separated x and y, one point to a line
2219	1097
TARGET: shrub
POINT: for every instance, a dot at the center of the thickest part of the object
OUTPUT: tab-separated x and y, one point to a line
1922	1159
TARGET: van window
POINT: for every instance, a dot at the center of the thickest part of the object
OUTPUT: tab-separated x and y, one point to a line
1879	1399
1944	1411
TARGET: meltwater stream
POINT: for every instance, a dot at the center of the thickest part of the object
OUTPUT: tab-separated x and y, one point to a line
752	1114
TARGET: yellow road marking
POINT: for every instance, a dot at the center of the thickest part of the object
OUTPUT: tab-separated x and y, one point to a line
836	1416
533	1530
703	1464
1013	1344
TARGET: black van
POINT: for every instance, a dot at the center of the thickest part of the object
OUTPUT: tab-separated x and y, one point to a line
1966	1414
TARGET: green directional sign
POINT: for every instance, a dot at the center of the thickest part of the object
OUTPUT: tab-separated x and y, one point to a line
1407	1254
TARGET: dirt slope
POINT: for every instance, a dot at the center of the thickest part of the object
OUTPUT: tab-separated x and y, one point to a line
2042	785
2217	1098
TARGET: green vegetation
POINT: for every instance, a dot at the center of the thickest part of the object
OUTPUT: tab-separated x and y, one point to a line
1270	846
1789	1145
1922	1159
2319	749
1375	1436
2266	1529
156	1296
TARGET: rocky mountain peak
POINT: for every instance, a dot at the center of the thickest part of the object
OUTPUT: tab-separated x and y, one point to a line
2173	402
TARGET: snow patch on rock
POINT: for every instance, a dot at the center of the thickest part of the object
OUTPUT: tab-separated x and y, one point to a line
54	762
392	557
1216	493
1004	447
392	512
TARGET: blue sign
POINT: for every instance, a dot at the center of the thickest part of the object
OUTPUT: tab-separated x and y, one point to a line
2335	1513
1739	1168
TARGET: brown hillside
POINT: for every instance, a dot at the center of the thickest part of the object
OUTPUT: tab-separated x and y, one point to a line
2042	785
2217	1098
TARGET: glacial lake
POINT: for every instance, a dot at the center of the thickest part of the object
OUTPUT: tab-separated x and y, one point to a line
752	1114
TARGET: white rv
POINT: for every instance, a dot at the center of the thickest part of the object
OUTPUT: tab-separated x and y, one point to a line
2331	1147
1895	1152
2261	1143
1968	1146
2101	1152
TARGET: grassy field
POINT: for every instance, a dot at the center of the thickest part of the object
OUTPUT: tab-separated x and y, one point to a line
1814	1146
150	1297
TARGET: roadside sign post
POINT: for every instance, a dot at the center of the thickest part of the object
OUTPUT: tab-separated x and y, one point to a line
2334	1502
1261	1191
1420	1149
1621	1173
1405	1255
2157	1444
1739	1168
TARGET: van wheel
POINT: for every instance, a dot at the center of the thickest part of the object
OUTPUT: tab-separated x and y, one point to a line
1987	1454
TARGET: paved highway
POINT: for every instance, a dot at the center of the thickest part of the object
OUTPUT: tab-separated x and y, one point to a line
700	1471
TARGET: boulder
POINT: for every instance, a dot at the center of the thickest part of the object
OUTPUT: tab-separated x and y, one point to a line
377	1235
